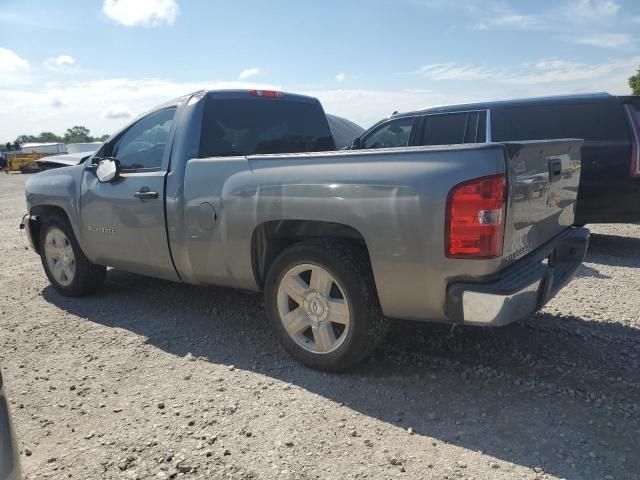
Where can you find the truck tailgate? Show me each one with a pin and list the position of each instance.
(543, 179)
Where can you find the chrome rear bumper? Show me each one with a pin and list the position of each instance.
(521, 288)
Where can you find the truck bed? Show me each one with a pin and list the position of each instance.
(395, 201)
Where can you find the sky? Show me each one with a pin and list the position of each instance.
(100, 63)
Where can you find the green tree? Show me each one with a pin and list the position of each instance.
(634, 83)
(77, 134)
(48, 137)
(25, 139)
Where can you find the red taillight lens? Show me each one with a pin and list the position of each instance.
(475, 218)
(266, 93)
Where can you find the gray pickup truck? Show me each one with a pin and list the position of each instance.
(206, 190)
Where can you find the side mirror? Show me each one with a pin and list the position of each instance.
(356, 144)
(108, 170)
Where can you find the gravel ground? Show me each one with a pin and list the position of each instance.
(150, 379)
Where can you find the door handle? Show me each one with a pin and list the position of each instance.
(555, 169)
(145, 194)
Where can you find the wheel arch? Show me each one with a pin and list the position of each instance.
(36, 214)
(270, 238)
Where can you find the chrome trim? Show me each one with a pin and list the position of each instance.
(454, 112)
(487, 136)
(488, 309)
(25, 226)
(632, 115)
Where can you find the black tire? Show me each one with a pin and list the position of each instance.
(88, 277)
(349, 265)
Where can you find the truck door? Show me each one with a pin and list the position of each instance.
(124, 221)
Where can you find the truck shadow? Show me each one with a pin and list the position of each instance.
(614, 250)
(551, 392)
(586, 271)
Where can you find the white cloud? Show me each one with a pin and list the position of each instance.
(14, 70)
(606, 40)
(454, 71)
(116, 112)
(552, 70)
(11, 62)
(592, 9)
(555, 71)
(60, 62)
(88, 102)
(341, 77)
(511, 20)
(366, 107)
(249, 73)
(132, 13)
(568, 14)
(64, 60)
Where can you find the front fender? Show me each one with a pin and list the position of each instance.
(57, 189)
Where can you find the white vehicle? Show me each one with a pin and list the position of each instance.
(52, 148)
(83, 147)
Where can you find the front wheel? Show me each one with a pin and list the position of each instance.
(66, 266)
(322, 305)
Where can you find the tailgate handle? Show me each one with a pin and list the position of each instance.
(555, 169)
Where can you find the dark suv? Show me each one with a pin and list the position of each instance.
(610, 181)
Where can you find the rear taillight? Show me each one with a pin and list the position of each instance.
(266, 93)
(475, 218)
(632, 114)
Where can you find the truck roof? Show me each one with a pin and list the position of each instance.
(230, 94)
(40, 144)
(516, 102)
(248, 93)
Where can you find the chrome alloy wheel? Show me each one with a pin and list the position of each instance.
(313, 308)
(59, 255)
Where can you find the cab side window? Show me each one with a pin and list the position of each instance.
(142, 146)
(593, 122)
(453, 128)
(394, 133)
(444, 129)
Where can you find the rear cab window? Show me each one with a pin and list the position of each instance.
(593, 122)
(248, 125)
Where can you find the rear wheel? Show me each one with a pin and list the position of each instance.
(322, 304)
(66, 266)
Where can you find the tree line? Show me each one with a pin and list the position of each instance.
(634, 83)
(77, 134)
